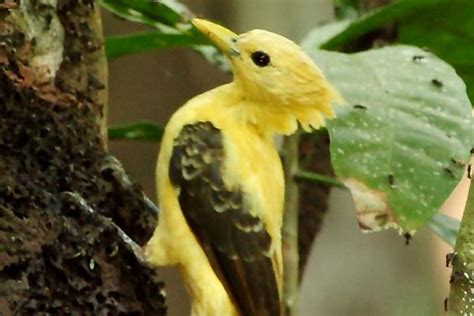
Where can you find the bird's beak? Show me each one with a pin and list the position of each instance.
(221, 37)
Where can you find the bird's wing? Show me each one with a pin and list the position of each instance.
(235, 242)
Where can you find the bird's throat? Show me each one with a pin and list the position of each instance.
(263, 116)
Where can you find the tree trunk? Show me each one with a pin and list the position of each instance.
(61, 193)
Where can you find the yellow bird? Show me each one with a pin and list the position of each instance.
(220, 179)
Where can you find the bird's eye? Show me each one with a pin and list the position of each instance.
(260, 58)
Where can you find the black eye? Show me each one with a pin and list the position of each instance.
(260, 58)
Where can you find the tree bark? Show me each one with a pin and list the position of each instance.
(61, 193)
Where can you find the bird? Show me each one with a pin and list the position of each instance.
(220, 179)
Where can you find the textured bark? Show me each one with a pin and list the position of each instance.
(55, 256)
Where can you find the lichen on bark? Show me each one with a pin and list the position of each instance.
(42, 26)
(55, 258)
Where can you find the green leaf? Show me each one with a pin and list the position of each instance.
(402, 141)
(443, 26)
(346, 8)
(137, 131)
(171, 19)
(445, 227)
(153, 13)
(446, 29)
(321, 35)
(120, 45)
(378, 18)
(134, 43)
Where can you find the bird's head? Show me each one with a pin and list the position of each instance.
(272, 70)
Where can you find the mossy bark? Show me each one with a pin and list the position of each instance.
(54, 257)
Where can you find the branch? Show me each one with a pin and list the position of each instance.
(302, 175)
(313, 202)
(461, 296)
(290, 227)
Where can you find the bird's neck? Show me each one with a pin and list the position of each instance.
(264, 117)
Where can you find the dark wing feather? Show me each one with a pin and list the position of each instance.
(235, 242)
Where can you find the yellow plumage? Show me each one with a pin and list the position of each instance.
(263, 100)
